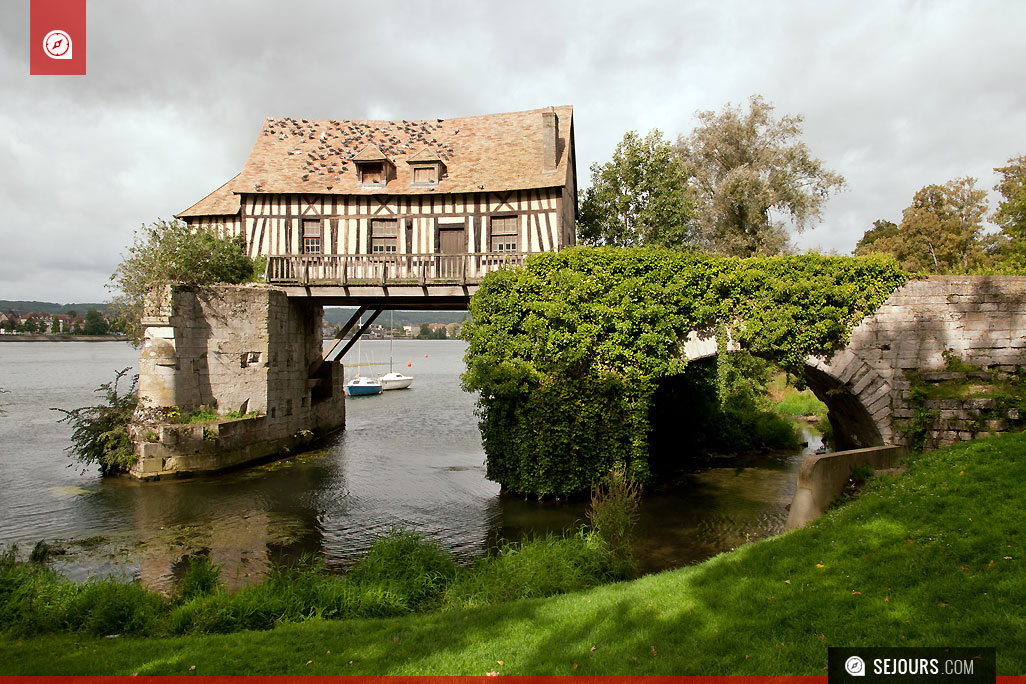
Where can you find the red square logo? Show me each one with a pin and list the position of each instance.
(57, 37)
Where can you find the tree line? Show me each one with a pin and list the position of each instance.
(732, 187)
(93, 323)
(743, 179)
(942, 230)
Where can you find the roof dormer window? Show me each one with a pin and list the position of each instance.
(373, 168)
(425, 174)
(371, 173)
(426, 169)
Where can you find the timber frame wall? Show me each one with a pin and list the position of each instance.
(271, 223)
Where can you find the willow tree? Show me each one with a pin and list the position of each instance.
(752, 176)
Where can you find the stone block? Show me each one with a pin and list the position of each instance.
(942, 404)
(880, 407)
(940, 376)
(882, 390)
(862, 379)
(979, 403)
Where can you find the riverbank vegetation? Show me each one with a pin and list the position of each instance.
(569, 352)
(928, 558)
(402, 573)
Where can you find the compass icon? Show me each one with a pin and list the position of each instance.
(57, 44)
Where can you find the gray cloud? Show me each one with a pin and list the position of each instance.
(895, 96)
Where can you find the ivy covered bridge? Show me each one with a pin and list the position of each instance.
(569, 352)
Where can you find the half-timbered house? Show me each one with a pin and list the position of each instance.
(339, 202)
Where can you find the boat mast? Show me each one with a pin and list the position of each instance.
(391, 338)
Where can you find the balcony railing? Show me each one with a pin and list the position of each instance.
(385, 269)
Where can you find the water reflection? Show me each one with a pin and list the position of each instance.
(408, 458)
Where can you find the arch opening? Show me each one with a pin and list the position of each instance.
(853, 426)
(681, 417)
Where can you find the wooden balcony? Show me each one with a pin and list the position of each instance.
(419, 281)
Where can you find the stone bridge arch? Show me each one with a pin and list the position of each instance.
(979, 321)
(856, 395)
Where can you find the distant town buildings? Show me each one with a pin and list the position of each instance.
(91, 323)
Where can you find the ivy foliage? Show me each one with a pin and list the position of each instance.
(566, 352)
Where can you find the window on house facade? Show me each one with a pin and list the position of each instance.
(384, 236)
(312, 237)
(505, 233)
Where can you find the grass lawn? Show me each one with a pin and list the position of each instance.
(930, 558)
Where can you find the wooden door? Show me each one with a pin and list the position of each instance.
(451, 241)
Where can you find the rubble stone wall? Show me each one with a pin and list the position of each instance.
(244, 348)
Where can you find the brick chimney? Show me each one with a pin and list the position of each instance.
(550, 137)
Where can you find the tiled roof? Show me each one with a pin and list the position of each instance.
(494, 152)
(222, 201)
(370, 153)
(425, 155)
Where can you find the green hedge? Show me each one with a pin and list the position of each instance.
(567, 350)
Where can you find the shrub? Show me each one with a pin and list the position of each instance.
(100, 433)
(170, 252)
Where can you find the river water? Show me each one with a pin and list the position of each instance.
(409, 458)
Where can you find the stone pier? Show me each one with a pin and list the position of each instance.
(247, 351)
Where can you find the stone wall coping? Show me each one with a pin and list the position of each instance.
(822, 477)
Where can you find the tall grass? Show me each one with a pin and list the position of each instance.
(802, 403)
(538, 567)
(34, 599)
(613, 514)
(201, 577)
(401, 573)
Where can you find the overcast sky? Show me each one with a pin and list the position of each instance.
(895, 95)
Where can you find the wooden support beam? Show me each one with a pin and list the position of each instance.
(344, 331)
(377, 312)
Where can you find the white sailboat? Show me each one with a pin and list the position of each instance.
(393, 380)
(360, 385)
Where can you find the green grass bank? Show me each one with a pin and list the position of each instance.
(933, 557)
